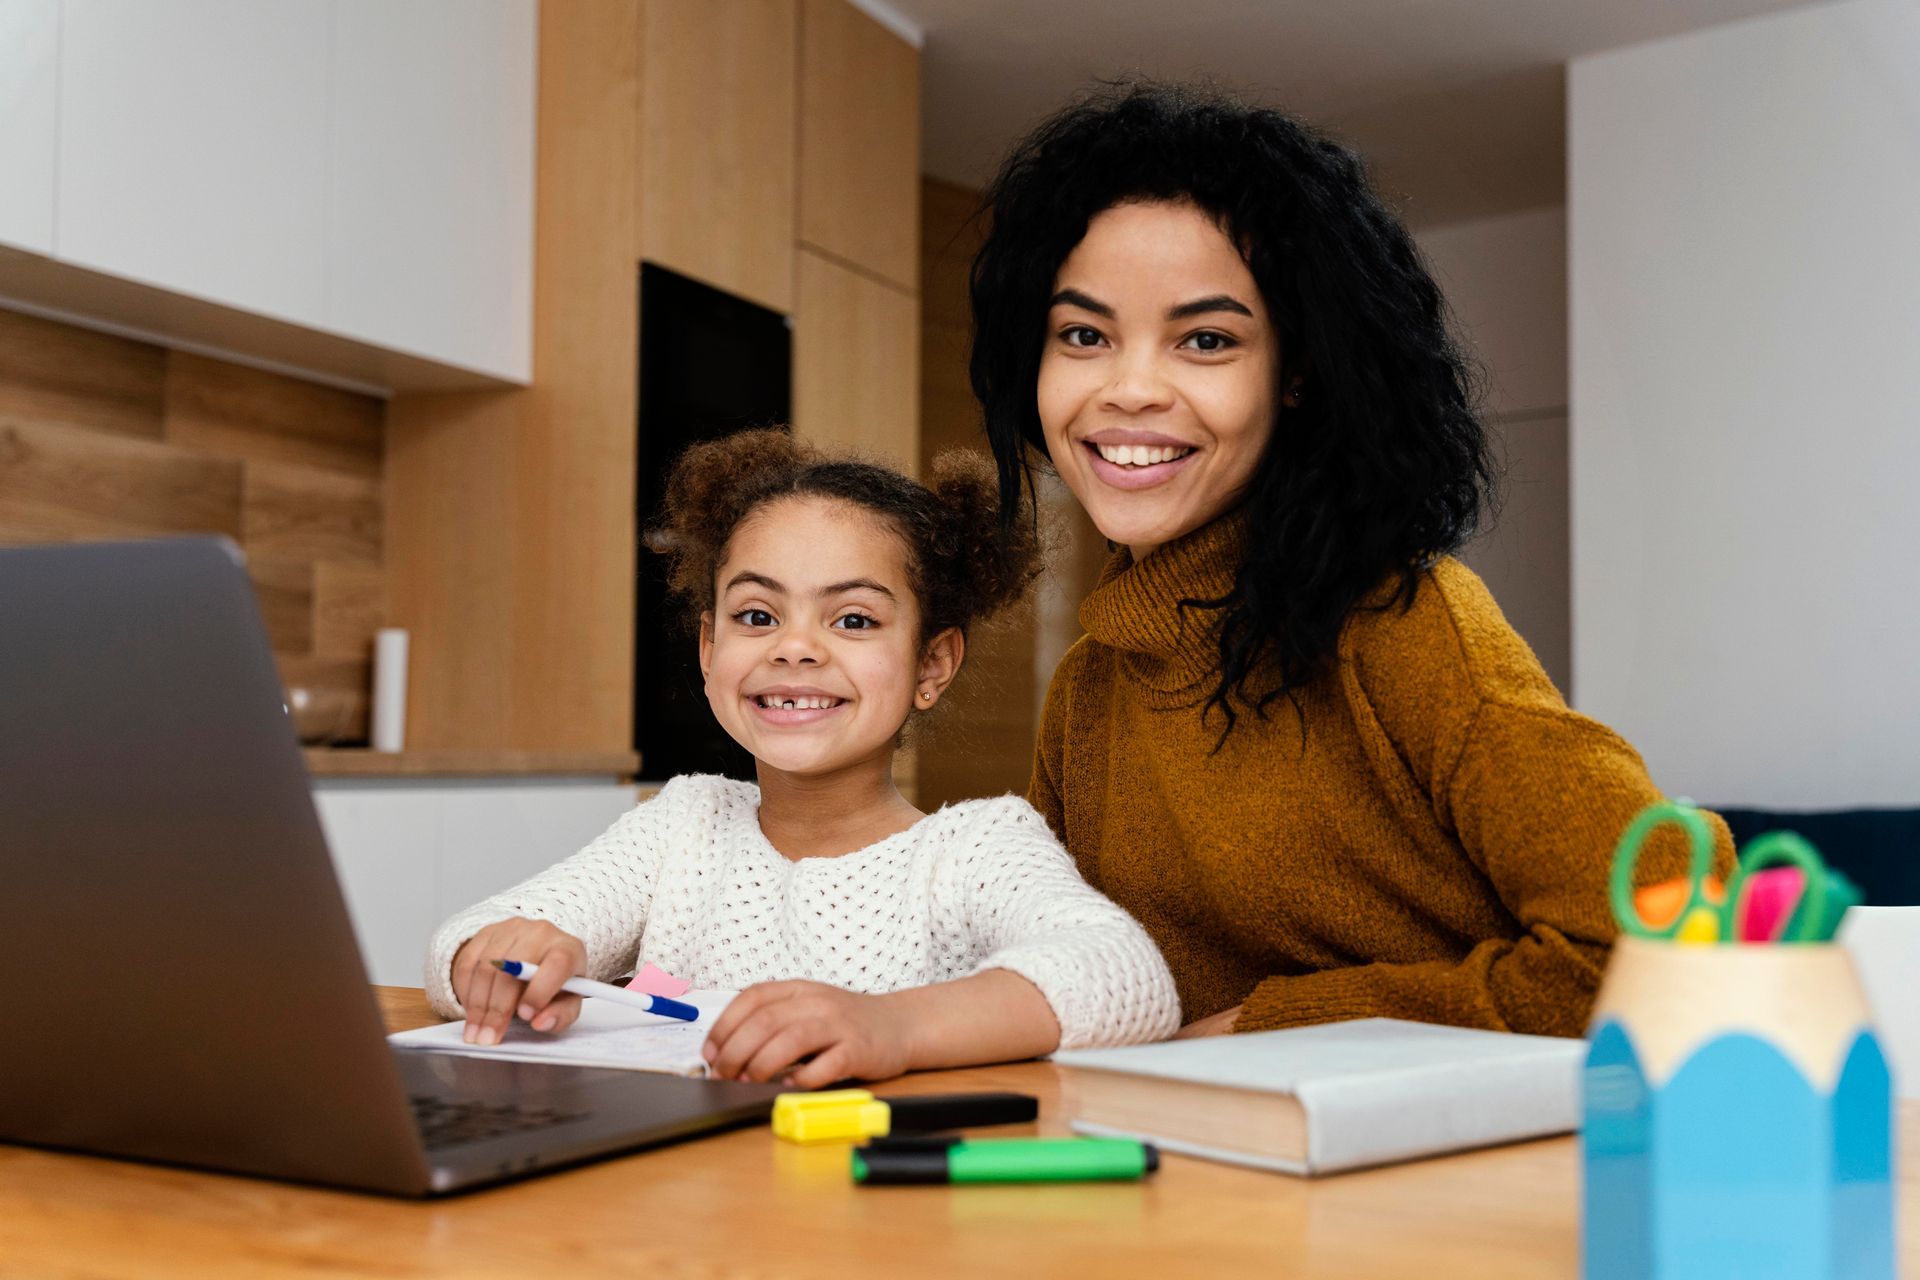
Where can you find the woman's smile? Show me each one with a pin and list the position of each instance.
(1129, 459)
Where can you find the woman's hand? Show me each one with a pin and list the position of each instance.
(1218, 1025)
(491, 998)
(770, 1027)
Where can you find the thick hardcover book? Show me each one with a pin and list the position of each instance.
(1323, 1099)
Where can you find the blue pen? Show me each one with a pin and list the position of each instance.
(602, 991)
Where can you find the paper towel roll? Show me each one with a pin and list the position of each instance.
(390, 689)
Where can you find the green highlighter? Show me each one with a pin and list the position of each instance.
(932, 1160)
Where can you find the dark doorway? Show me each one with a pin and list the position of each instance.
(710, 364)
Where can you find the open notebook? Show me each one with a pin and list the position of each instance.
(605, 1035)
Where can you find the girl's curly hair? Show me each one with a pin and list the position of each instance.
(961, 567)
(1382, 467)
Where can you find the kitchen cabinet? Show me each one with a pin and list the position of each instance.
(411, 853)
(859, 141)
(430, 179)
(856, 362)
(343, 187)
(192, 148)
(717, 121)
(29, 43)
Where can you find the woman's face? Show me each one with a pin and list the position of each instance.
(1157, 386)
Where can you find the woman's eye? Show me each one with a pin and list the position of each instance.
(1208, 340)
(754, 618)
(1080, 335)
(856, 622)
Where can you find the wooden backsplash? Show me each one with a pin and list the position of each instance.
(105, 437)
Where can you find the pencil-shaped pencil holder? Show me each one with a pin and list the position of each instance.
(1739, 1117)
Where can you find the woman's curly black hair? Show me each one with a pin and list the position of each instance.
(961, 566)
(1383, 466)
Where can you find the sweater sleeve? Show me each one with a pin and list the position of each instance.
(1033, 915)
(1535, 794)
(1538, 799)
(600, 895)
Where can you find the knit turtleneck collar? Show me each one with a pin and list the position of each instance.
(1136, 608)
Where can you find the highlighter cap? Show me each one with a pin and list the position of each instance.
(838, 1115)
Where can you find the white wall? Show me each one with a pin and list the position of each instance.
(1506, 280)
(1745, 443)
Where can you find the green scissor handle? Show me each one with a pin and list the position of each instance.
(1700, 866)
(1824, 897)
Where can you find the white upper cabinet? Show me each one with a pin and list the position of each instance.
(193, 148)
(431, 156)
(341, 185)
(29, 40)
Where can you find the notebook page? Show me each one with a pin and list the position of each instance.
(605, 1035)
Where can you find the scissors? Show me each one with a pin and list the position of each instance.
(1824, 897)
(1702, 917)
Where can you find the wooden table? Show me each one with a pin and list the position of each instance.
(742, 1204)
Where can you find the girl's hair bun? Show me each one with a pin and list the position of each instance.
(988, 564)
(711, 488)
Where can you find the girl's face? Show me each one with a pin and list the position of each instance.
(812, 656)
(1157, 385)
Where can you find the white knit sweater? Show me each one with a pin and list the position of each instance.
(688, 881)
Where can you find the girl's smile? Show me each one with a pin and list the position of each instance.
(795, 705)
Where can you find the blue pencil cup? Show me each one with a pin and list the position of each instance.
(1739, 1118)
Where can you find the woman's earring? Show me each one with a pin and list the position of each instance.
(926, 695)
(1292, 398)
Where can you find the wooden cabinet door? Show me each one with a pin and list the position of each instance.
(192, 148)
(859, 141)
(29, 40)
(856, 362)
(717, 165)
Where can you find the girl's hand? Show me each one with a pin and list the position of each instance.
(770, 1027)
(491, 998)
(1218, 1025)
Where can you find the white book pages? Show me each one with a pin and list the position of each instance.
(604, 1035)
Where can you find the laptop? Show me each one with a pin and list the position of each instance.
(188, 989)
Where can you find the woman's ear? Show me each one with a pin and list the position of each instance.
(706, 645)
(939, 664)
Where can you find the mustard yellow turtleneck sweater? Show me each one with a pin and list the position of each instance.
(1435, 847)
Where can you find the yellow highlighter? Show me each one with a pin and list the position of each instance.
(854, 1115)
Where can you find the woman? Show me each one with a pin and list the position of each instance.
(1299, 742)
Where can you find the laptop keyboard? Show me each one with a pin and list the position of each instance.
(445, 1123)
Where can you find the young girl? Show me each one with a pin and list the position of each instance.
(870, 939)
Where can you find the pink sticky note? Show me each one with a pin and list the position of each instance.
(655, 981)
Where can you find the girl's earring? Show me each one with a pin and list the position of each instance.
(926, 696)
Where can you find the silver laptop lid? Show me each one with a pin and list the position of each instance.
(188, 985)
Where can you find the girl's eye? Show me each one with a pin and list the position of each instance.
(1080, 335)
(754, 618)
(1208, 340)
(856, 622)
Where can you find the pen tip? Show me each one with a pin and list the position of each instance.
(498, 964)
